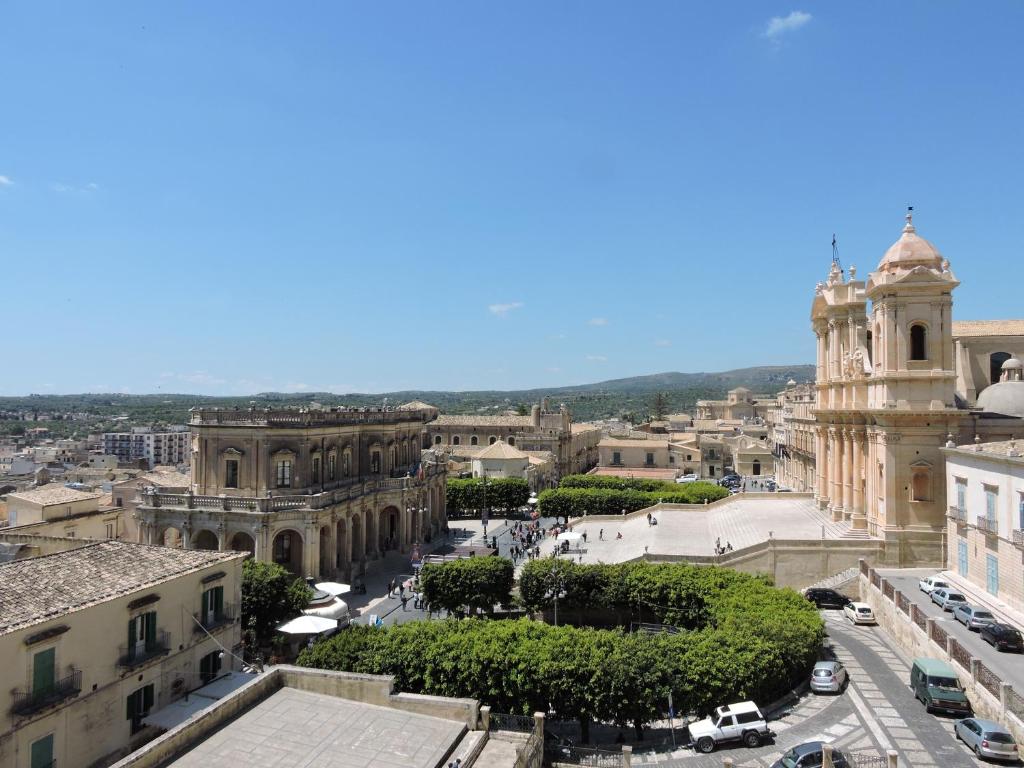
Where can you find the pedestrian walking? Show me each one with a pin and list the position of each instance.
(391, 588)
(584, 537)
(648, 518)
(600, 535)
(405, 601)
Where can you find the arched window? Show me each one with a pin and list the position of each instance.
(511, 441)
(918, 342)
(995, 365)
(456, 440)
(473, 440)
(492, 440)
(437, 439)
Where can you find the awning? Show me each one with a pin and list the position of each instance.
(308, 625)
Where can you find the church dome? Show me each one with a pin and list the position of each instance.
(1007, 396)
(910, 251)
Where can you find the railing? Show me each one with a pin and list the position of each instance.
(1018, 537)
(876, 580)
(938, 635)
(918, 616)
(601, 758)
(865, 760)
(887, 589)
(957, 513)
(517, 723)
(134, 657)
(988, 679)
(1015, 703)
(305, 417)
(986, 524)
(27, 702)
(209, 623)
(903, 603)
(959, 654)
(532, 753)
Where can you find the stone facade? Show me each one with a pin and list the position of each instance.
(574, 446)
(319, 491)
(985, 488)
(793, 436)
(740, 404)
(886, 397)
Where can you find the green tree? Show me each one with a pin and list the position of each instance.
(659, 406)
(270, 594)
(473, 583)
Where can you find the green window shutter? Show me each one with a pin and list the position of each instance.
(42, 752)
(151, 630)
(42, 671)
(133, 705)
(131, 636)
(204, 668)
(218, 602)
(147, 698)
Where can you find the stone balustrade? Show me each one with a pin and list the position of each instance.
(305, 417)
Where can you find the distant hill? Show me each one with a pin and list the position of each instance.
(617, 397)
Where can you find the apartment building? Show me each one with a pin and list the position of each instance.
(96, 638)
(170, 446)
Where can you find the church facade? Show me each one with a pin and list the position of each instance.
(886, 398)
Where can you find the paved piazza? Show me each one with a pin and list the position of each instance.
(742, 523)
(293, 727)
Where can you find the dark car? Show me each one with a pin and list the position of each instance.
(826, 598)
(1003, 637)
(808, 755)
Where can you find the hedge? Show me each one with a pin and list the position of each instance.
(748, 641)
(576, 502)
(471, 494)
(616, 483)
(475, 582)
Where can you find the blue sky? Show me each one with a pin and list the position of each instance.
(241, 197)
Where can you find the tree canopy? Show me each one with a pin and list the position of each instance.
(270, 594)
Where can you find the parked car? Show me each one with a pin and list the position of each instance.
(932, 582)
(828, 677)
(1002, 637)
(783, 489)
(742, 721)
(808, 755)
(987, 739)
(936, 685)
(972, 617)
(687, 479)
(826, 598)
(859, 613)
(947, 599)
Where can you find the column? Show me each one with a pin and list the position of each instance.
(821, 486)
(858, 519)
(827, 444)
(847, 473)
(333, 544)
(836, 473)
(821, 362)
(311, 551)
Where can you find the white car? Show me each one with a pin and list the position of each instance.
(859, 613)
(687, 479)
(930, 583)
(734, 722)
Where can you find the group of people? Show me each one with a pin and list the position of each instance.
(398, 589)
(719, 549)
(525, 536)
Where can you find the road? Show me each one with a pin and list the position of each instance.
(877, 712)
(1008, 666)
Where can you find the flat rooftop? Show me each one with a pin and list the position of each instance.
(299, 728)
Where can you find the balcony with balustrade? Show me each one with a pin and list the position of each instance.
(144, 652)
(24, 703)
(988, 525)
(959, 514)
(209, 622)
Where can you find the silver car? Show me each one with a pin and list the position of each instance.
(972, 617)
(828, 677)
(947, 599)
(987, 739)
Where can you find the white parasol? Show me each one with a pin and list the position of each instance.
(569, 536)
(308, 625)
(333, 588)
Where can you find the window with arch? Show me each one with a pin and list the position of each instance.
(437, 439)
(375, 462)
(492, 440)
(456, 440)
(473, 440)
(918, 342)
(512, 441)
(283, 548)
(995, 365)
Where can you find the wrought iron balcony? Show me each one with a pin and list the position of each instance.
(137, 656)
(988, 525)
(957, 513)
(1018, 537)
(213, 621)
(28, 702)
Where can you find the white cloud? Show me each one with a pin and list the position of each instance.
(70, 189)
(662, 343)
(597, 321)
(597, 358)
(780, 25)
(5, 181)
(503, 309)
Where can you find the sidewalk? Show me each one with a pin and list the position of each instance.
(977, 596)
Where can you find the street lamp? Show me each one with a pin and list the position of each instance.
(557, 587)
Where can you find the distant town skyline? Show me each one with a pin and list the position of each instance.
(203, 200)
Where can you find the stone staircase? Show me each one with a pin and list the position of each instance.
(837, 580)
